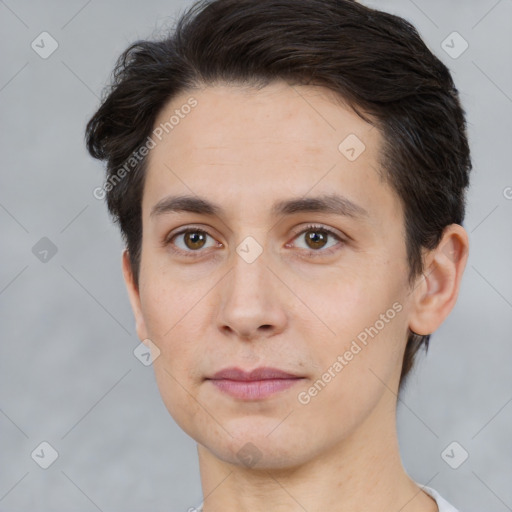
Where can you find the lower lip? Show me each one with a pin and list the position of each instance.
(253, 390)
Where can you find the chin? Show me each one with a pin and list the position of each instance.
(260, 449)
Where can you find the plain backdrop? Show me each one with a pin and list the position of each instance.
(68, 373)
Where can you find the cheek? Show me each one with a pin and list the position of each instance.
(348, 305)
(167, 304)
(174, 391)
(355, 367)
(170, 315)
(367, 329)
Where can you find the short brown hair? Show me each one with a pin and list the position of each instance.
(375, 61)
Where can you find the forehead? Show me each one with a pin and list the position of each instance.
(240, 143)
(313, 117)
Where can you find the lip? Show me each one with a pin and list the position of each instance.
(261, 373)
(257, 384)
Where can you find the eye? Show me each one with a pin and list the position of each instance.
(193, 240)
(316, 238)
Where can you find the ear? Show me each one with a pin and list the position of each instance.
(436, 291)
(134, 296)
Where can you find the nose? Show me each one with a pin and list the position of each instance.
(251, 300)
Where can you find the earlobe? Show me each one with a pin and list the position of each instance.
(436, 293)
(134, 296)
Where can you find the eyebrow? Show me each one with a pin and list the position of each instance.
(330, 203)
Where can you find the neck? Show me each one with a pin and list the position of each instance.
(361, 472)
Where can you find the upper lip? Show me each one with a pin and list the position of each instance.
(262, 373)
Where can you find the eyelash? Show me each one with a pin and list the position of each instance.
(311, 227)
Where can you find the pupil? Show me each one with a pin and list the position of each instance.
(195, 238)
(316, 238)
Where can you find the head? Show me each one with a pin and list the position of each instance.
(251, 103)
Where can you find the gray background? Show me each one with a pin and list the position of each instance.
(68, 372)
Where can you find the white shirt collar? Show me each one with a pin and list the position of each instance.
(442, 504)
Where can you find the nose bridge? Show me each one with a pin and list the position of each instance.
(249, 298)
(249, 280)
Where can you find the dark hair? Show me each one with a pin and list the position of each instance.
(376, 62)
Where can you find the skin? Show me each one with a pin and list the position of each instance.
(245, 148)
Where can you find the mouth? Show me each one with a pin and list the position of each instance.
(257, 384)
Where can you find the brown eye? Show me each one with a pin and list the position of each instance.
(194, 239)
(316, 238)
(190, 241)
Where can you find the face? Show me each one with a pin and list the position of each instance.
(270, 277)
